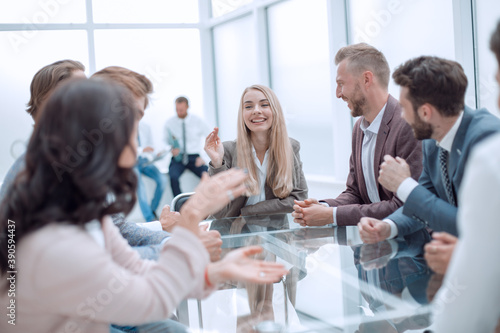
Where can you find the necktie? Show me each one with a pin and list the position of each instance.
(185, 158)
(443, 161)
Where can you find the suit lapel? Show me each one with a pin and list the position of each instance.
(383, 132)
(458, 143)
(359, 164)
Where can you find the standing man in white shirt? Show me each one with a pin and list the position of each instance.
(184, 133)
(145, 154)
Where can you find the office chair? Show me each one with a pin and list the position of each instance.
(179, 200)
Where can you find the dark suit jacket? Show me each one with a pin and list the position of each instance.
(272, 204)
(427, 205)
(395, 137)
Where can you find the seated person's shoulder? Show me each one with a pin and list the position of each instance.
(229, 145)
(295, 144)
(485, 119)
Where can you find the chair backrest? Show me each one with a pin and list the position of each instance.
(179, 200)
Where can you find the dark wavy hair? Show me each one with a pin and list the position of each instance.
(433, 80)
(72, 174)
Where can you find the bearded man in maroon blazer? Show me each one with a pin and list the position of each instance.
(362, 81)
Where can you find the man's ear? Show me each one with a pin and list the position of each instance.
(425, 112)
(367, 78)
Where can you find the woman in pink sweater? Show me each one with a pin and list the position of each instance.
(64, 265)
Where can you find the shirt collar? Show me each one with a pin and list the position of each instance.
(375, 125)
(448, 139)
(185, 118)
(262, 166)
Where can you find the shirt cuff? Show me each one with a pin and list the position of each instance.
(394, 228)
(405, 188)
(334, 224)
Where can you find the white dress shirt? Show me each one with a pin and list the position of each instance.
(469, 297)
(262, 175)
(145, 140)
(367, 157)
(408, 185)
(196, 130)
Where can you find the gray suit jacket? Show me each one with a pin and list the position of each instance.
(272, 204)
(427, 205)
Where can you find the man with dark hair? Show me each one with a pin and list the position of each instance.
(362, 81)
(184, 134)
(475, 308)
(432, 98)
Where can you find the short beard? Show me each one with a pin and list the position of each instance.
(358, 104)
(421, 129)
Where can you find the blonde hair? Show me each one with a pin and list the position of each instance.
(363, 57)
(280, 157)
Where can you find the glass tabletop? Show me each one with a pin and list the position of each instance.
(335, 282)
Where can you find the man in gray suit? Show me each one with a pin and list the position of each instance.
(432, 98)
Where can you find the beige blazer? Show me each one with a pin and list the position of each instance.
(272, 204)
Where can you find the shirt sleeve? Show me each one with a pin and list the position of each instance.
(394, 228)
(405, 188)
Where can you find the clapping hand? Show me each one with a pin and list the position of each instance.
(373, 230)
(214, 148)
(169, 219)
(392, 172)
(439, 251)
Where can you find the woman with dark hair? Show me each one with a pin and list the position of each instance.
(64, 265)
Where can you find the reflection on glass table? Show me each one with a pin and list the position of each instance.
(335, 282)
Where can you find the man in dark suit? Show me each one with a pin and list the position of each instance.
(362, 81)
(432, 98)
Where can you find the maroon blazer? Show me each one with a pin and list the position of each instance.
(395, 137)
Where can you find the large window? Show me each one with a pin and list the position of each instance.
(236, 69)
(18, 65)
(170, 58)
(210, 50)
(397, 29)
(158, 38)
(33, 13)
(300, 76)
(489, 13)
(221, 7)
(145, 11)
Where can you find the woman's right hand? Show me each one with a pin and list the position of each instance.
(214, 148)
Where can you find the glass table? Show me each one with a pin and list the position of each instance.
(335, 282)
